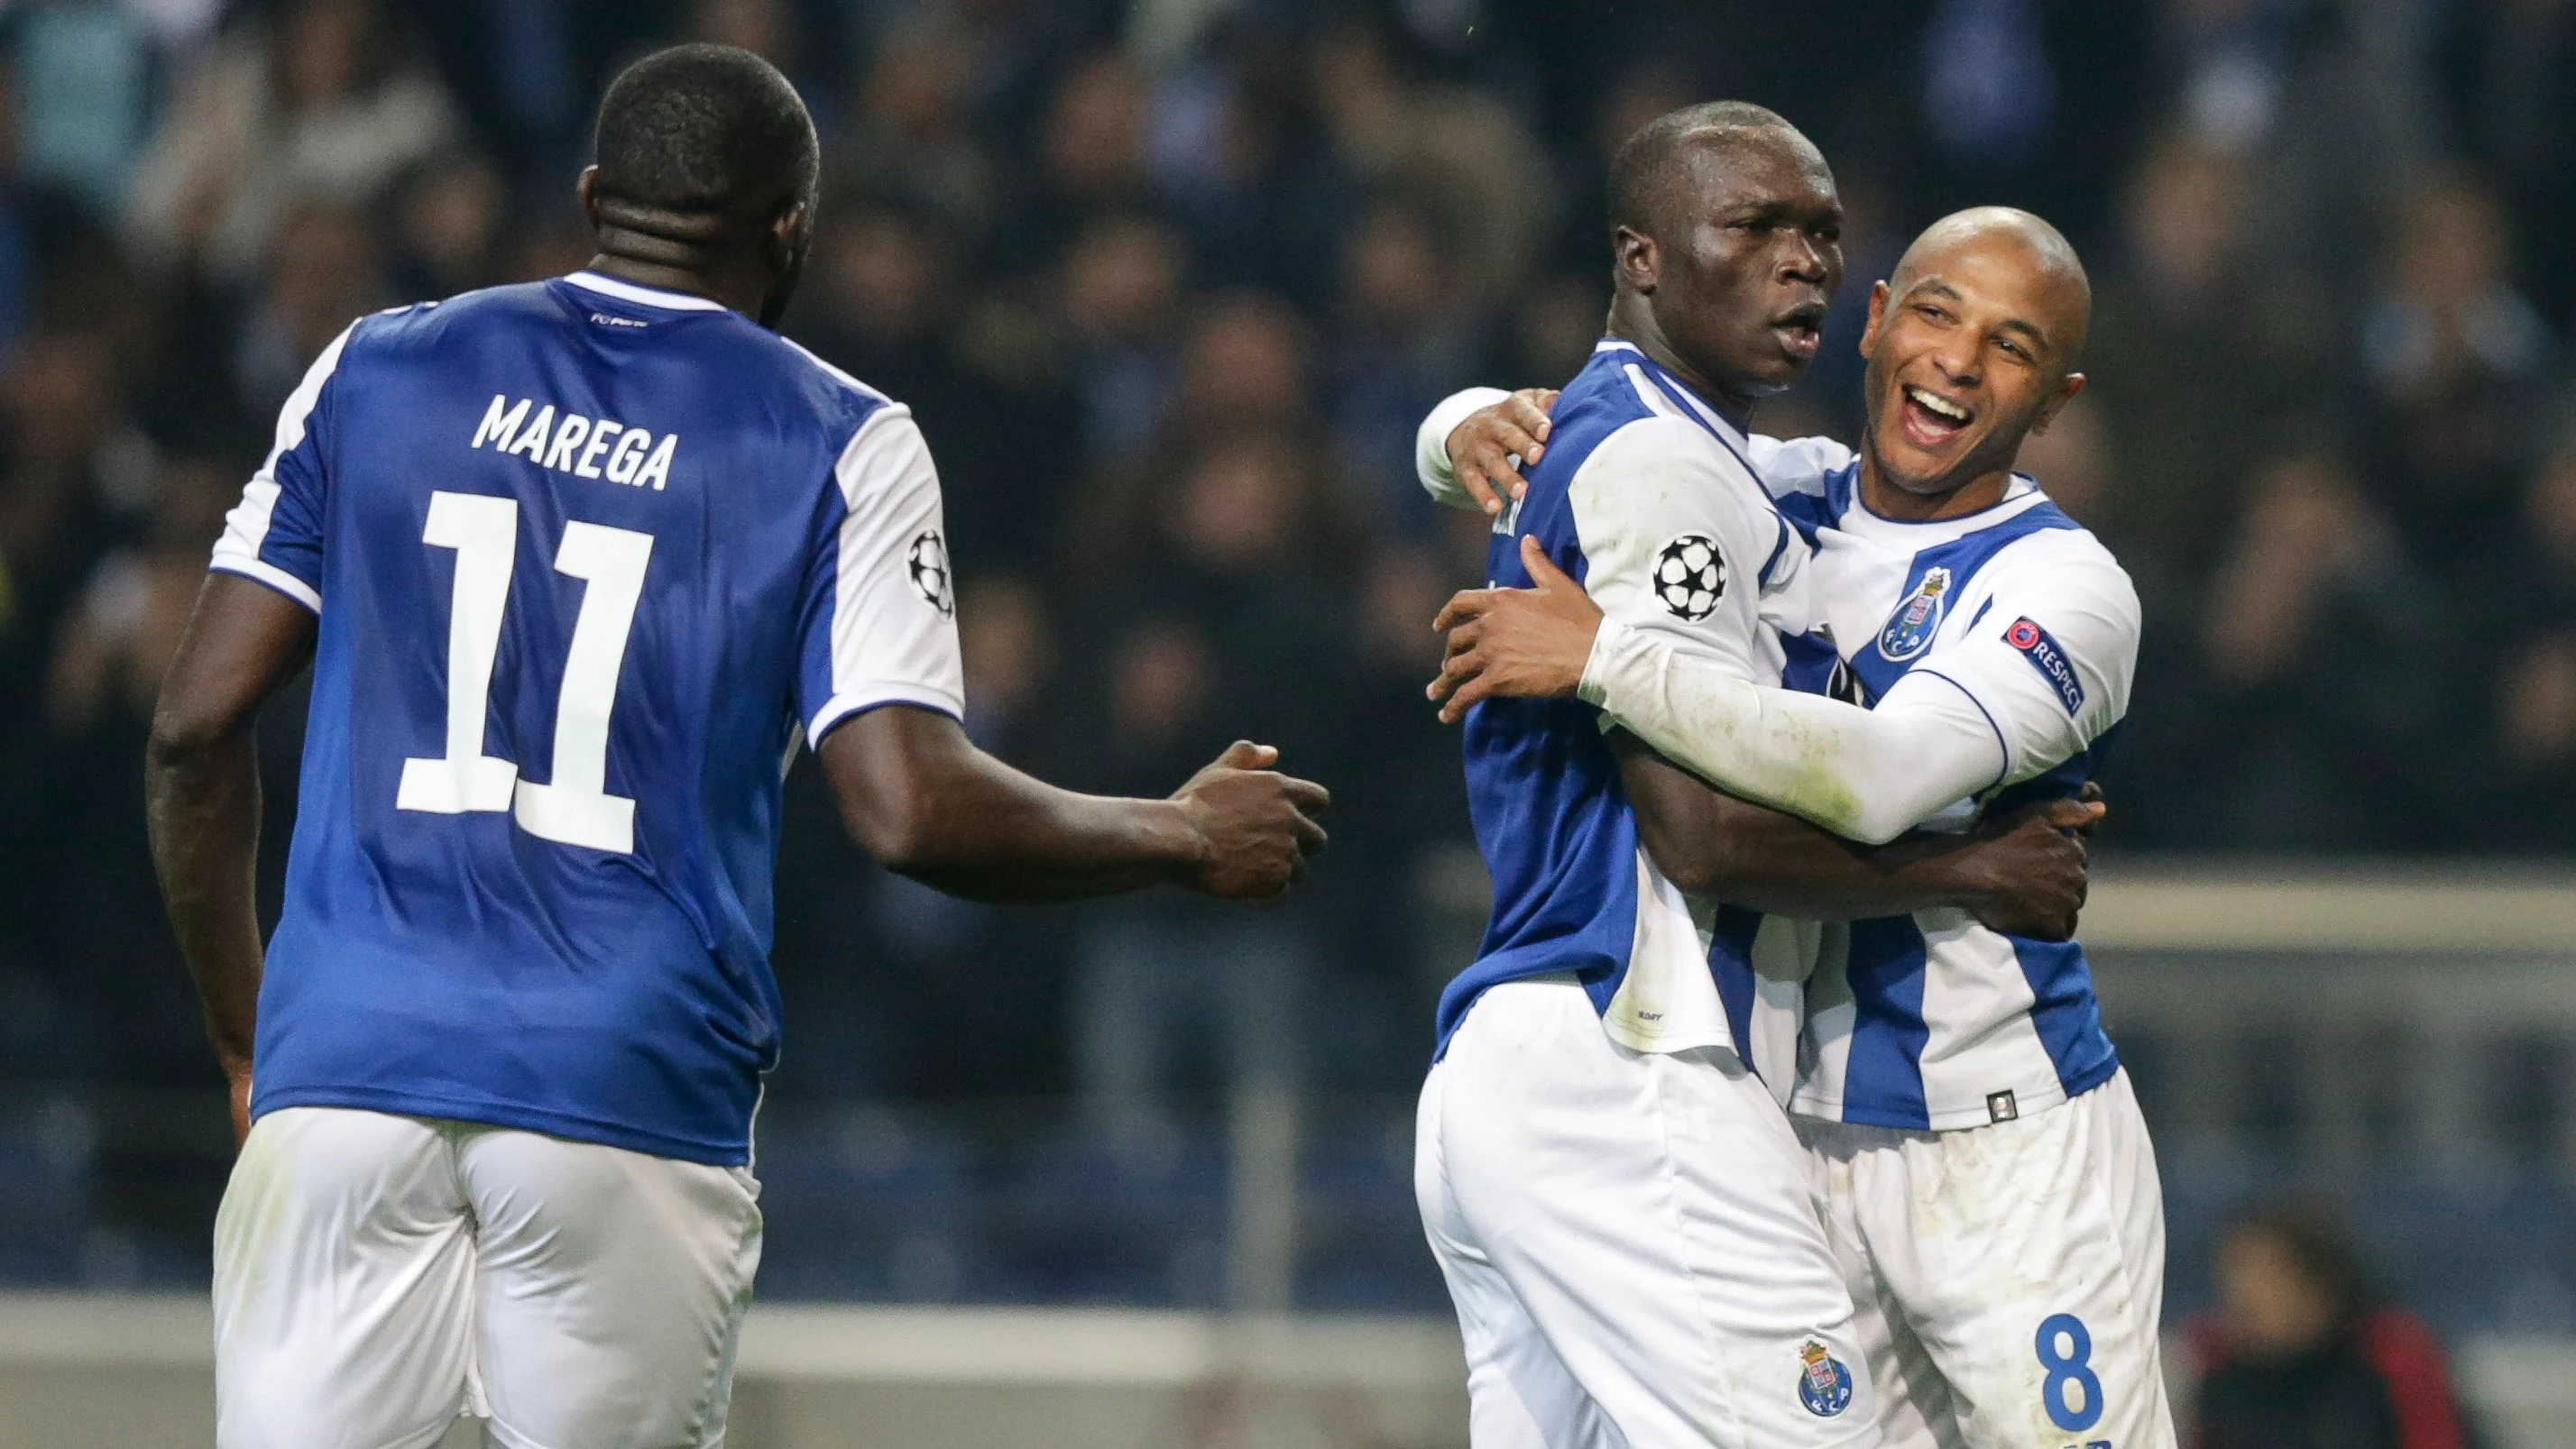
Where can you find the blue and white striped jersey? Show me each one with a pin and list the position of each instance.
(587, 557)
(1646, 497)
(1933, 1020)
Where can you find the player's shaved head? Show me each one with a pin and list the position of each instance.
(1648, 177)
(706, 171)
(2066, 293)
(703, 130)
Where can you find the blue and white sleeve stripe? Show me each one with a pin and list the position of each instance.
(274, 535)
(883, 628)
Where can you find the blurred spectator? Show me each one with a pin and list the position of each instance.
(2456, 360)
(1406, 329)
(1121, 298)
(2302, 1357)
(448, 216)
(2329, 699)
(326, 269)
(2190, 346)
(909, 139)
(113, 644)
(2506, 64)
(83, 86)
(119, 635)
(1457, 153)
(1090, 153)
(2527, 608)
(316, 98)
(1245, 373)
(58, 398)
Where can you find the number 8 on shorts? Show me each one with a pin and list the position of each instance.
(2070, 1374)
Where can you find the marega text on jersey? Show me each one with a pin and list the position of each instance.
(583, 447)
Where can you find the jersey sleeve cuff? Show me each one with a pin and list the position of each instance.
(859, 701)
(270, 574)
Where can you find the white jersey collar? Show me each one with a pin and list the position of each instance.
(643, 296)
(1679, 392)
(1856, 518)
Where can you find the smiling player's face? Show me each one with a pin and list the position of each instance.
(1747, 260)
(1966, 361)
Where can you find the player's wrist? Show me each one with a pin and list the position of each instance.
(1970, 881)
(1177, 839)
(1600, 667)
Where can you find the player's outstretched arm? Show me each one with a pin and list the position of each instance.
(2023, 875)
(921, 798)
(201, 798)
(1868, 774)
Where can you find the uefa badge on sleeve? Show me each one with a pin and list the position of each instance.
(1824, 1384)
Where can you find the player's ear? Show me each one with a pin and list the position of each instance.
(1640, 261)
(1877, 314)
(586, 191)
(2057, 401)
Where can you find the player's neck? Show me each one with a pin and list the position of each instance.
(741, 294)
(1632, 321)
(1889, 501)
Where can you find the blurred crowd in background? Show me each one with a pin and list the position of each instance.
(1168, 285)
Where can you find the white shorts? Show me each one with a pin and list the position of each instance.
(2010, 1278)
(1630, 1242)
(376, 1276)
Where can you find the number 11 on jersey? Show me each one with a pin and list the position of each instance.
(576, 808)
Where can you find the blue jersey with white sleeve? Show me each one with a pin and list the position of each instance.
(588, 558)
(1645, 497)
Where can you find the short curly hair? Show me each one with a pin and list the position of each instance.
(704, 129)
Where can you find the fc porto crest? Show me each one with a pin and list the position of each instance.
(1910, 629)
(1824, 1384)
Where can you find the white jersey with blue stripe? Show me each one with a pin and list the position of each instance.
(588, 558)
(1933, 1020)
(1646, 497)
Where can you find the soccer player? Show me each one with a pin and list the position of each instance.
(1618, 1206)
(578, 565)
(1980, 1158)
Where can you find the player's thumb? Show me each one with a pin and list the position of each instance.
(1245, 755)
(1544, 574)
(2074, 814)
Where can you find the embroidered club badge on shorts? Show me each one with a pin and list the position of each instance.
(1909, 630)
(1824, 1385)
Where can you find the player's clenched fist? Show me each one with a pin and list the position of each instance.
(1256, 827)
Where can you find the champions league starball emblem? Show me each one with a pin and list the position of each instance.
(1690, 577)
(1824, 1385)
(928, 562)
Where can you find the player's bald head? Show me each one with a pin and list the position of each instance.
(2063, 294)
(1661, 164)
